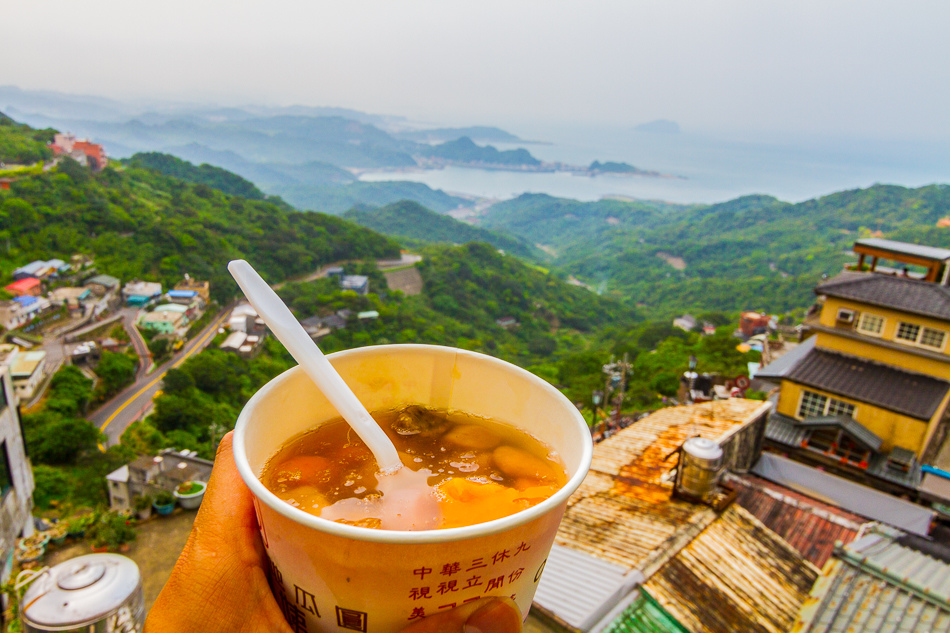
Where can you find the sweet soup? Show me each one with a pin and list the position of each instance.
(477, 470)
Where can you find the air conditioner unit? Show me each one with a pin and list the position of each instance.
(845, 315)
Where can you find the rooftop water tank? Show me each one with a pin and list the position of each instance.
(700, 465)
(96, 592)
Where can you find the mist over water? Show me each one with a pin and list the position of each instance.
(702, 168)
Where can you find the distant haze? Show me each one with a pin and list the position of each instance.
(865, 68)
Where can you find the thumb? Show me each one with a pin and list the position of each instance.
(487, 615)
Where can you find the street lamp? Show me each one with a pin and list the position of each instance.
(596, 398)
(692, 376)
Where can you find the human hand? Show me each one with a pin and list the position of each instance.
(219, 583)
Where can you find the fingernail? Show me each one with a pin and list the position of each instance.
(498, 616)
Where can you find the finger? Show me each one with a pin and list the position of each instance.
(488, 615)
(226, 496)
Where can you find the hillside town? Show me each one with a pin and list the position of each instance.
(833, 488)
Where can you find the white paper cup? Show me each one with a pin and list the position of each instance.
(327, 576)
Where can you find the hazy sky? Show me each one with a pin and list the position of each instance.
(852, 67)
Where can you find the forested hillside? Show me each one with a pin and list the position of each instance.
(206, 174)
(754, 252)
(411, 221)
(22, 145)
(141, 224)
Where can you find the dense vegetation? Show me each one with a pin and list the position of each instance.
(22, 145)
(141, 224)
(754, 252)
(464, 150)
(206, 174)
(67, 464)
(410, 220)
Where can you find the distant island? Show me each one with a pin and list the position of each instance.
(464, 152)
(660, 126)
(478, 132)
(611, 167)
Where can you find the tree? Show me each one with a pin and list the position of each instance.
(115, 371)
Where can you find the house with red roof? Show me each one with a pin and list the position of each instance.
(29, 286)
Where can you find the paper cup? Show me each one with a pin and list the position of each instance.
(327, 576)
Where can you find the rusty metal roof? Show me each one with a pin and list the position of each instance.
(736, 576)
(623, 512)
(880, 584)
(810, 526)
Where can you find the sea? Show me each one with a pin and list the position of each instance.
(696, 167)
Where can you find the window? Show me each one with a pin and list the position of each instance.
(908, 332)
(815, 405)
(932, 338)
(6, 477)
(839, 407)
(871, 324)
(919, 335)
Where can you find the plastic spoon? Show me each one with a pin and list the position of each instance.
(289, 332)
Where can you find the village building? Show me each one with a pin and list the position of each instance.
(753, 323)
(16, 479)
(189, 298)
(687, 322)
(28, 286)
(242, 318)
(357, 283)
(36, 269)
(243, 344)
(81, 150)
(867, 396)
(72, 298)
(148, 475)
(101, 284)
(27, 371)
(650, 560)
(138, 293)
(19, 311)
(165, 319)
(203, 288)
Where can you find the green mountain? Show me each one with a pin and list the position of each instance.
(220, 179)
(407, 219)
(339, 198)
(464, 150)
(22, 145)
(752, 252)
(139, 223)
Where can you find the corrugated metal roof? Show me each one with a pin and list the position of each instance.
(645, 615)
(736, 576)
(882, 586)
(900, 293)
(623, 513)
(915, 395)
(903, 248)
(603, 585)
(810, 526)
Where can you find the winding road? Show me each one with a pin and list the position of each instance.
(116, 415)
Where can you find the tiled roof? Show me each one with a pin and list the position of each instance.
(848, 424)
(914, 395)
(880, 585)
(736, 576)
(808, 525)
(791, 432)
(900, 293)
